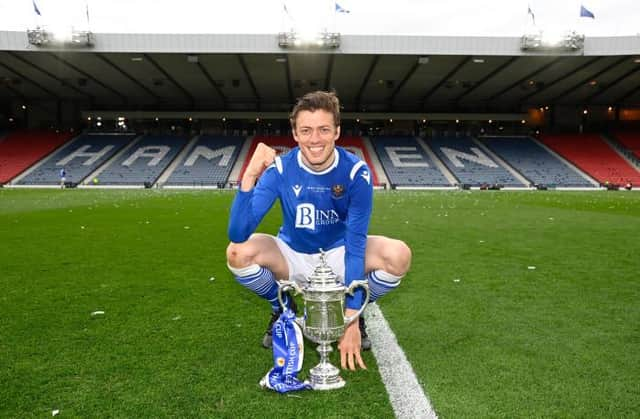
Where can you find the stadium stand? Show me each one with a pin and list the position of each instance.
(282, 144)
(208, 162)
(406, 163)
(470, 164)
(535, 162)
(590, 153)
(78, 158)
(22, 149)
(144, 162)
(630, 140)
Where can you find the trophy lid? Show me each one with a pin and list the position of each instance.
(323, 276)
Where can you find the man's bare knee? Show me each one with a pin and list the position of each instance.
(404, 257)
(238, 255)
(398, 258)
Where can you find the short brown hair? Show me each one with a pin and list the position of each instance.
(327, 101)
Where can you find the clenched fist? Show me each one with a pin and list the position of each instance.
(262, 158)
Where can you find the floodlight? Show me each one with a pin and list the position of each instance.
(60, 33)
(322, 40)
(552, 41)
(59, 36)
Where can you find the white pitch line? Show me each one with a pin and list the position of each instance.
(406, 394)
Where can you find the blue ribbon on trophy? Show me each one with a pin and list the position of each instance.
(288, 354)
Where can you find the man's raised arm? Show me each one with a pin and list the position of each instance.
(262, 158)
(253, 201)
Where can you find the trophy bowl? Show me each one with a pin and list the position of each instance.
(324, 321)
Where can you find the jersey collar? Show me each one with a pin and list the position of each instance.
(325, 171)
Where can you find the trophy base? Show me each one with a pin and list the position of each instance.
(325, 376)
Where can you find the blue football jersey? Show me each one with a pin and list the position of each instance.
(319, 209)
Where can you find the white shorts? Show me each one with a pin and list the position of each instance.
(302, 265)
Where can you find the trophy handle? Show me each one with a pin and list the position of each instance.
(284, 287)
(352, 287)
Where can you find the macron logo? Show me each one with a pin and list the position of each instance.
(296, 189)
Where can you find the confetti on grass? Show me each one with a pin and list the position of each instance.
(97, 313)
(531, 268)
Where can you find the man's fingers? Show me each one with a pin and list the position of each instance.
(360, 361)
(349, 346)
(350, 357)
(343, 358)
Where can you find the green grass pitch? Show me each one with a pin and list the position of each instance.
(518, 304)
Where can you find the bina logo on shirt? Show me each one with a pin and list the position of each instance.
(307, 216)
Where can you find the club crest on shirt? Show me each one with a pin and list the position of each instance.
(337, 191)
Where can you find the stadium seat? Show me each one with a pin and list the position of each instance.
(79, 158)
(535, 162)
(592, 154)
(406, 163)
(144, 162)
(20, 150)
(470, 164)
(208, 162)
(630, 140)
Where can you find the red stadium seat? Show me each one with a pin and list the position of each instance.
(630, 140)
(21, 149)
(592, 154)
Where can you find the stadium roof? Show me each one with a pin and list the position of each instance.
(387, 74)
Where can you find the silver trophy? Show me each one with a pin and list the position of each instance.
(324, 320)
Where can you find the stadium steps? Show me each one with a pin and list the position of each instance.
(470, 164)
(375, 161)
(206, 164)
(630, 140)
(451, 178)
(519, 176)
(172, 164)
(22, 151)
(632, 156)
(79, 158)
(408, 165)
(593, 155)
(356, 145)
(234, 176)
(569, 164)
(96, 173)
(536, 162)
(138, 170)
(176, 161)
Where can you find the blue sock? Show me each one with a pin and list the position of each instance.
(380, 283)
(261, 281)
